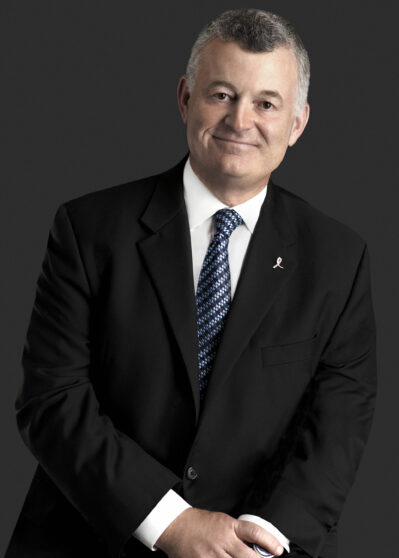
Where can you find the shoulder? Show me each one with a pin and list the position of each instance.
(116, 209)
(108, 217)
(112, 201)
(318, 232)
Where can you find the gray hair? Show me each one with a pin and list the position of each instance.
(256, 31)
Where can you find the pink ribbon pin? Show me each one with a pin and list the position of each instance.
(279, 260)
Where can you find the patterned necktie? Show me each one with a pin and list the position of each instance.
(213, 295)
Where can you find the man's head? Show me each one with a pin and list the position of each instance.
(244, 98)
(255, 31)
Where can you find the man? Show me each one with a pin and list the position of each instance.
(200, 362)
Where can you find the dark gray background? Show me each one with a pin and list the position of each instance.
(88, 101)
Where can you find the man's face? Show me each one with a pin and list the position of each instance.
(240, 114)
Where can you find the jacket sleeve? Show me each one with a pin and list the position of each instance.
(310, 490)
(105, 474)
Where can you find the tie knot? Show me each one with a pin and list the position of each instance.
(226, 220)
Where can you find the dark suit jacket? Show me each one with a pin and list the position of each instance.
(110, 404)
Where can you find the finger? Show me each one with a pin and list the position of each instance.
(253, 533)
(241, 550)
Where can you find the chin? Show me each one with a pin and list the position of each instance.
(234, 166)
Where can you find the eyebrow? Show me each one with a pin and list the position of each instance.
(265, 92)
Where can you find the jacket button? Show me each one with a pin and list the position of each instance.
(191, 473)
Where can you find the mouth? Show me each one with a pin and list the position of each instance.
(235, 142)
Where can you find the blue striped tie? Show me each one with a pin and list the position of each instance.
(213, 295)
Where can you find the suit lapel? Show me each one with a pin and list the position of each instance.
(258, 285)
(167, 255)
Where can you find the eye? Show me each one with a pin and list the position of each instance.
(266, 105)
(221, 96)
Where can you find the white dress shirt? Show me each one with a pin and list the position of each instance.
(201, 205)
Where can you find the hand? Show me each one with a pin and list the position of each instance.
(197, 533)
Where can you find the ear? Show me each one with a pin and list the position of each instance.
(183, 95)
(299, 124)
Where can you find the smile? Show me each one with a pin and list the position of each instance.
(234, 141)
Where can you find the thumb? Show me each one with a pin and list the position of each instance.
(250, 532)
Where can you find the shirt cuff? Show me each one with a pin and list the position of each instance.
(269, 527)
(159, 518)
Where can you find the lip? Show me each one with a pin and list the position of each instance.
(234, 141)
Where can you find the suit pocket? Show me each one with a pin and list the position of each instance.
(290, 352)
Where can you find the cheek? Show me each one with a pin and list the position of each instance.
(276, 132)
(206, 118)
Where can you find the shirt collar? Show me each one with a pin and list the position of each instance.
(201, 203)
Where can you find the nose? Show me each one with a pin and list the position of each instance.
(240, 117)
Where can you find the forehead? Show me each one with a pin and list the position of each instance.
(227, 61)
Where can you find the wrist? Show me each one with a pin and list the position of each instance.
(169, 534)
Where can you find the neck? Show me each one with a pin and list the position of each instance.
(231, 191)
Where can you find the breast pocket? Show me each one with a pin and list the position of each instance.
(290, 352)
